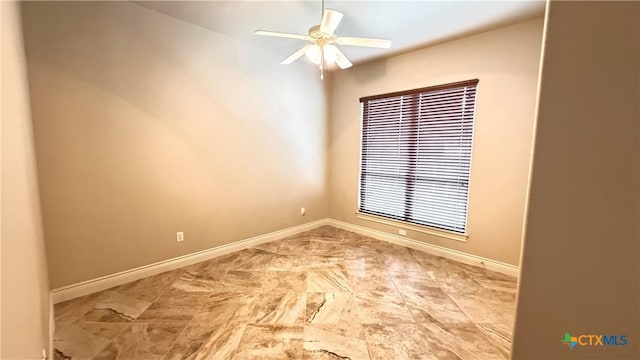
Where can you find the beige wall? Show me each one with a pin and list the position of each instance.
(580, 260)
(506, 63)
(25, 283)
(146, 125)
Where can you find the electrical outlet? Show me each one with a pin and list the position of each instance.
(179, 236)
(303, 211)
(402, 232)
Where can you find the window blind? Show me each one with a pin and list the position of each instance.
(416, 155)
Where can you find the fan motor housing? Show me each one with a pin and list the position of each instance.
(315, 33)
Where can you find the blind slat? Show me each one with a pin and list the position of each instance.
(416, 155)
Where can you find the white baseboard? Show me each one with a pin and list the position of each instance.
(123, 277)
(460, 256)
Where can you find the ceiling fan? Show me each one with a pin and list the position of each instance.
(323, 39)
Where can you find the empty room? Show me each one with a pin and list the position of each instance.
(320, 180)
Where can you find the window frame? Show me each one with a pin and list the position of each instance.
(415, 226)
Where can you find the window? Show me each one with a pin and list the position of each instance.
(416, 155)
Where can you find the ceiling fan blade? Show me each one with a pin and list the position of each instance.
(342, 60)
(368, 42)
(282, 35)
(298, 54)
(330, 21)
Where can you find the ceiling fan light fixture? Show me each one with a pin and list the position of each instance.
(330, 53)
(314, 53)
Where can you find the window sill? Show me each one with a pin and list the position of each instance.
(419, 228)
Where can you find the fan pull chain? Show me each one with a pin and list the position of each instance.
(322, 47)
(322, 62)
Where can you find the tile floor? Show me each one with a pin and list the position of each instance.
(323, 294)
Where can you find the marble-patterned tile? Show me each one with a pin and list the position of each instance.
(294, 247)
(331, 308)
(335, 341)
(289, 262)
(487, 306)
(68, 312)
(323, 294)
(363, 279)
(355, 237)
(388, 249)
(428, 261)
(454, 280)
(207, 341)
(328, 281)
(284, 281)
(243, 281)
(231, 297)
(433, 305)
(175, 306)
(249, 259)
(200, 279)
(356, 260)
(270, 247)
(74, 342)
(116, 307)
(59, 355)
(105, 330)
(356, 248)
(403, 342)
(468, 268)
(271, 342)
(326, 247)
(149, 288)
(323, 247)
(223, 262)
(495, 281)
(466, 341)
(413, 281)
(326, 231)
(334, 236)
(300, 237)
(319, 262)
(499, 334)
(202, 266)
(225, 308)
(383, 310)
(362, 243)
(375, 285)
(279, 308)
(140, 341)
(401, 262)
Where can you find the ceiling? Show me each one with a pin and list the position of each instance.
(409, 24)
